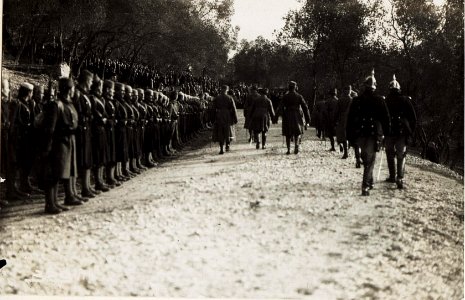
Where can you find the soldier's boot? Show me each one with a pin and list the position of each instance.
(55, 199)
(85, 185)
(140, 165)
(288, 145)
(12, 192)
(91, 188)
(365, 191)
(148, 160)
(263, 140)
(221, 148)
(111, 176)
(257, 140)
(119, 172)
(331, 139)
(25, 184)
(99, 183)
(73, 186)
(70, 199)
(227, 147)
(392, 169)
(296, 145)
(127, 169)
(50, 206)
(344, 148)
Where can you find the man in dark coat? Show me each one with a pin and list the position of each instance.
(121, 140)
(403, 122)
(59, 125)
(318, 118)
(291, 108)
(261, 113)
(247, 106)
(110, 109)
(330, 117)
(343, 106)
(367, 123)
(225, 117)
(83, 106)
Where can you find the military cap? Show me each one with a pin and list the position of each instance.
(394, 84)
(108, 84)
(65, 83)
(370, 81)
(292, 84)
(84, 75)
(119, 86)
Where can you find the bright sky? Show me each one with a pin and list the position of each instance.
(260, 17)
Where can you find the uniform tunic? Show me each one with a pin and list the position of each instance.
(293, 109)
(261, 113)
(83, 107)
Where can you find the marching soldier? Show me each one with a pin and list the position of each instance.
(318, 117)
(225, 117)
(343, 105)
(367, 123)
(330, 117)
(291, 108)
(247, 105)
(403, 122)
(261, 113)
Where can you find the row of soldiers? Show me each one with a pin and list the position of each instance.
(367, 122)
(98, 127)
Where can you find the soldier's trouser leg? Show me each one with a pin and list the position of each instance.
(401, 152)
(390, 156)
(296, 144)
(331, 139)
(344, 147)
(50, 198)
(257, 141)
(263, 140)
(368, 146)
(288, 143)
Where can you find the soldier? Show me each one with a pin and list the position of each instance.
(367, 122)
(110, 109)
(261, 113)
(149, 133)
(330, 117)
(247, 105)
(99, 134)
(403, 122)
(225, 117)
(291, 108)
(121, 133)
(342, 110)
(318, 118)
(21, 120)
(60, 123)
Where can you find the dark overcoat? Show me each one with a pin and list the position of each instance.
(261, 114)
(225, 118)
(293, 109)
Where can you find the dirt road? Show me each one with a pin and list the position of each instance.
(250, 223)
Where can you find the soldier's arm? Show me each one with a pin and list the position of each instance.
(49, 125)
(305, 109)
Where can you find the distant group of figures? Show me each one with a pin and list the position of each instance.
(366, 122)
(107, 129)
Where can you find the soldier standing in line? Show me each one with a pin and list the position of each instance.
(225, 117)
(99, 134)
(20, 135)
(403, 122)
(291, 108)
(110, 109)
(121, 138)
(330, 117)
(261, 113)
(60, 123)
(149, 133)
(367, 123)
(83, 106)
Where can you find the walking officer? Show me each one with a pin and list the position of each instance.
(403, 121)
(367, 123)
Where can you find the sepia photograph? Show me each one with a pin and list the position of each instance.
(232, 149)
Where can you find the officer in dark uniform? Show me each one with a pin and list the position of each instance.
(121, 133)
(367, 123)
(226, 116)
(403, 122)
(247, 106)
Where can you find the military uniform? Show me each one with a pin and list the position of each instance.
(330, 118)
(261, 113)
(225, 117)
(367, 122)
(403, 122)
